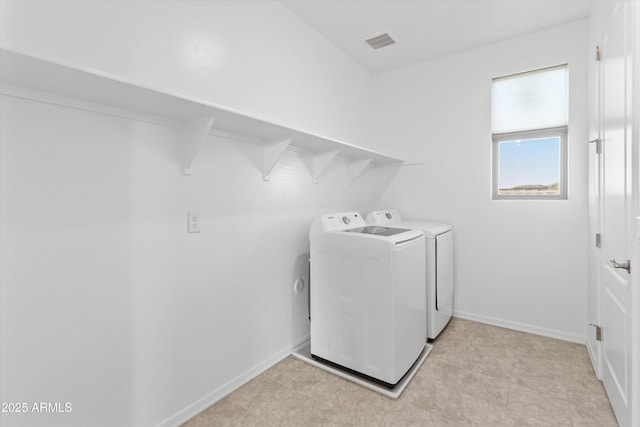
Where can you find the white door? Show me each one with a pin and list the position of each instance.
(617, 225)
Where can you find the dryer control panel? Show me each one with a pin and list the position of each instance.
(388, 217)
(342, 221)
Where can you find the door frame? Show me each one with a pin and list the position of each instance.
(635, 182)
(634, 220)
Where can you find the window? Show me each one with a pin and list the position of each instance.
(529, 133)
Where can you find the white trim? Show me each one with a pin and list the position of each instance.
(545, 332)
(224, 390)
(635, 186)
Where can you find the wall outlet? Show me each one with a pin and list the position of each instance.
(194, 222)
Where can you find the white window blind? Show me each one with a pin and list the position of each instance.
(530, 101)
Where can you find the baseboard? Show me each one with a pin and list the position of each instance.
(195, 408)
(551, 333)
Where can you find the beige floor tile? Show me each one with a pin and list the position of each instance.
(534, 346)
(354, 405)
(591, 407)
(475, 384)
(402, 413)
(492, 350)
(488, 335)
(339, 415)
(452, 348)
(582, 382)
(225, 413)
(575, 360)
(428, 392)
(528, 420)
(537, 367)
(549, 386)
(459, 328)
(464, 409)
(285, 408)
(493, 361)
(476, 375)
(285, 371)
(532, 339)
(571, 367)
(574, 351)
(440, 367)
(321, 392)
(595, 422)
(530, 406)
(254, 393)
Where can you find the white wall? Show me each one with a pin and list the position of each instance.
(107, 302)
(252, 56)
(520, 264)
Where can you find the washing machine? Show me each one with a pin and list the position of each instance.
(367, 296)
(440, 268)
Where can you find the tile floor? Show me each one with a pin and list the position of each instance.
(476, 375)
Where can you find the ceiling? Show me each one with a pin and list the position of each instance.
(427, 29)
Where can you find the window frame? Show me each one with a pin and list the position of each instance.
(561, 132)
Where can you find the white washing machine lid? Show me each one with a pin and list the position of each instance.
(398, 235)
(354, 224)
(392, 218)
(377, 230)
(431, 228)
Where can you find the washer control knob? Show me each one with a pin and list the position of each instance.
(388, 215)
(346, 219)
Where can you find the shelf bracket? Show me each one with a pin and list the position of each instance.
(194, 133)
(272, 152)
(320, 162)
(356, 167)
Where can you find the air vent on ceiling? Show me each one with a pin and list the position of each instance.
(381, 40)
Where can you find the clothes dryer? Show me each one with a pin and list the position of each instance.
(439, 260)
(367, 296)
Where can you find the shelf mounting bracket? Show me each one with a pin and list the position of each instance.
(193, 135)
(356, 167)
(272, 152)
(320, 162)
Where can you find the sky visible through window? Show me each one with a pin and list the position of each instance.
(529, 162)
